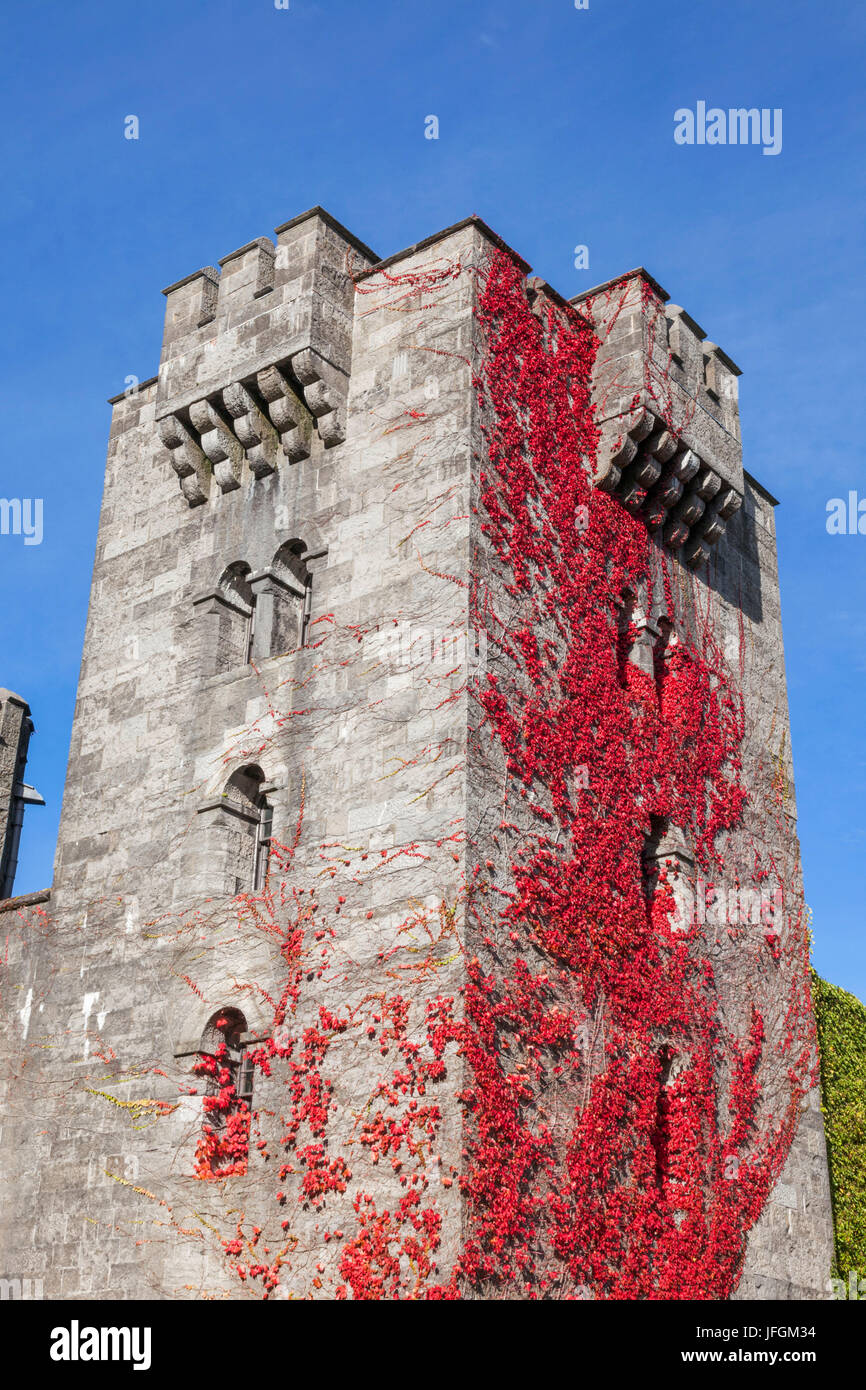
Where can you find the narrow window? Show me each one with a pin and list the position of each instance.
(232, 852)
(248, 825)
(308, 609)
(292, 591)
(251, 629)
(236, 617)
(263, 845)
(668, 872)
(226, 1064)
(244, 1079)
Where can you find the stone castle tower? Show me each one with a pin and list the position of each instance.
(288, 878)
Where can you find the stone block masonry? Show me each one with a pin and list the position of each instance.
(294, 1001)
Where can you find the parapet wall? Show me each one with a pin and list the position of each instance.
(257, 356)
(667, 406)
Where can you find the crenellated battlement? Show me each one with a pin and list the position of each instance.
(256, 355)
(667, 405)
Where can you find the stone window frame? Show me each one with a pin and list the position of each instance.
(667, 850)
(215, 808)
(243, 1038)
(273, 591)
(237, 1055)
(210, 608)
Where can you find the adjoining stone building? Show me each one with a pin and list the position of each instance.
(276, 686)
(16, 727)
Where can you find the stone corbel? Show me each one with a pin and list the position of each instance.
(618, 446)
(325, 392)
(685, 464)
(662, 444)
(253, 429)
(655, 475)
(632, 496)
(668, 492)
(676, 533)
(707, 484)
(646, 470)
(288, 415)
(691, 509)
(712, 525)
(727, 502)
(218, 444)
(696, 551)
(187, 459)
(615, 452)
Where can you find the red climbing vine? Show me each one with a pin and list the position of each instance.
(647, 1187)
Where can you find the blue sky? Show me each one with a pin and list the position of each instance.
(556, 126)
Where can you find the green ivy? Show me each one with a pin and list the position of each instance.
(841, 1023)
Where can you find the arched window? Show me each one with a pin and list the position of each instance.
(226, 621)
(283, 595)
(249, 825)
(238, 621)
(281, 599)
(290, 567)
(231, 853)
(250, 617)
(225, 1064)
